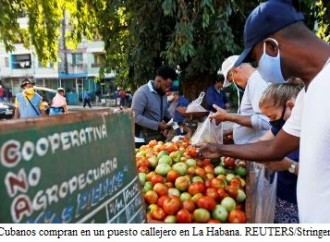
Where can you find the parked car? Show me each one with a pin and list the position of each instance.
(6, 110)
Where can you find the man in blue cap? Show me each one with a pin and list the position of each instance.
(276, 37)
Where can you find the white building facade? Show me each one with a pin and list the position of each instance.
(76, 70)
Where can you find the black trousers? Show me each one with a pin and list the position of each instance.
(86, 101)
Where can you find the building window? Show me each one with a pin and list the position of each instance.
(77, 59)
(99, 60)
(22, 61)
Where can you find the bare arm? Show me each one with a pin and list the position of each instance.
(240, 119)
(267, 136)
(270, 150)
(282, 165)
(222, 115)
(65, 107)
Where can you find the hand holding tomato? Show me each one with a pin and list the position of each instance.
(209, 150)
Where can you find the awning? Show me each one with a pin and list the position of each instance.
(72, 76)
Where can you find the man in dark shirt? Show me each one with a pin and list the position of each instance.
(215, 94)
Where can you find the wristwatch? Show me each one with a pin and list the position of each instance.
(292, 167)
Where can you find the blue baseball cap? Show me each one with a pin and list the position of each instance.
(266, 19)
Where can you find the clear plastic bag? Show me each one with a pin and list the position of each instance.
(208, 132)
(195, 105)
(263, 194)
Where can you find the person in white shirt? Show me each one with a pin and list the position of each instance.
(276, 37)
(250, 123)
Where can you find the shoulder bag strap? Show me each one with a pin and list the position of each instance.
(32, 106)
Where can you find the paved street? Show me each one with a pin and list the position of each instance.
(79, 107)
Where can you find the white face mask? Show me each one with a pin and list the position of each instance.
(270, 67)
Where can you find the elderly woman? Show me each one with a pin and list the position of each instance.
(59, 104)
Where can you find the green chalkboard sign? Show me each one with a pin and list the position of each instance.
(76, 168)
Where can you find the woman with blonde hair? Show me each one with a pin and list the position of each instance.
(276, 103)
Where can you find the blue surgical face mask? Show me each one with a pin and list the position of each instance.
(270, 67)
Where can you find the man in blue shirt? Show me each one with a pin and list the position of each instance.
(215, 94)
(28, 104)
(86, 98)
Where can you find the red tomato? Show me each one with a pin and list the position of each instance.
(213, 221)
(192, 152)
(232, 190)
(172, 175)
(151, 197)
(158, 214)
(235, 181)
(160, 189)
(183, 216)
(161, 200)
(150, 175)
(143, 169)
(222, 193)
(199, 171)
(207, 183)
(152, 143)
(209, 168)
(229, 163)
(170, 147)
(157, 179)
(196, 187)
(169, 184)
(217, 183)
(142, 161)
(207, 162)
(236, 216)
(189, 205)
(212, 192)
(206, 202)
(172, 205)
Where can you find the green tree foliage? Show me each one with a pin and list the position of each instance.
(195, 36)
(323, 19)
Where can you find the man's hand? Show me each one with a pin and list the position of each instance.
(163, 126)
(208, 150)
(220, 115)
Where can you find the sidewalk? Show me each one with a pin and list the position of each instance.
(79, 107)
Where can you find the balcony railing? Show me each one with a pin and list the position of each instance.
(97, 65)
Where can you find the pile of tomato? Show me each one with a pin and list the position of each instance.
(179, 187)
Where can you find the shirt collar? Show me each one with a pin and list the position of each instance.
(150, 86)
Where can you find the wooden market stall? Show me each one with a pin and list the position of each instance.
(74, 168)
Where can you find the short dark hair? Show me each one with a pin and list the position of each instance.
(167, 72)
(220, 78)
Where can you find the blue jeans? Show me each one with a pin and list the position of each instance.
(56, 111)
